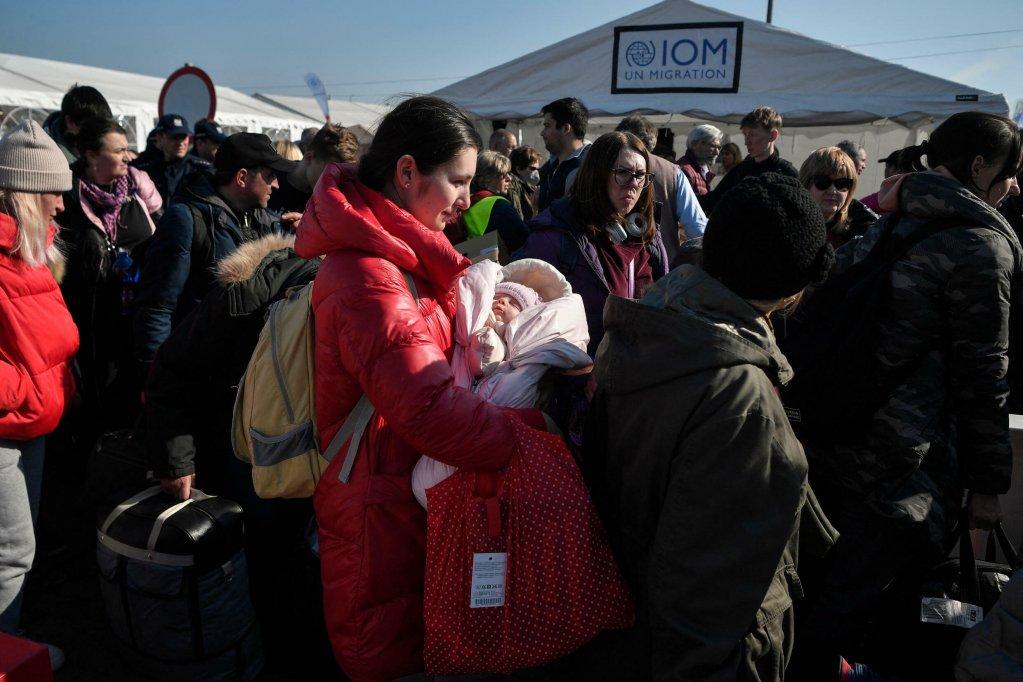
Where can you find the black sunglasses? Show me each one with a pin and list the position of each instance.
(822, 182)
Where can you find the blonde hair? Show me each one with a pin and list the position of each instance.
(832, 162)
(30, 243)
(491, 165)
(288, 150)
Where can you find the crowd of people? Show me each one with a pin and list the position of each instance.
(133, 291)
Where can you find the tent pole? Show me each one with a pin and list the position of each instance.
(770, 10)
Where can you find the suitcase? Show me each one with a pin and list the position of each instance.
(23, 661)
(175, 587)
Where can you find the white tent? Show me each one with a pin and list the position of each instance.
(39, 85)
(361, 117)
(824, 92)
(808, 81)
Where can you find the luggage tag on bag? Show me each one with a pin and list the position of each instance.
(950, 612)
(488, 573)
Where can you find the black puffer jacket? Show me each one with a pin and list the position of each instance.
(191, 387)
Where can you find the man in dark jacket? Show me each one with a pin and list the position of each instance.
(212, 216)
(761, 129)
(169, 169)
(702, 501)
(564, 132)
(79, 103)
(189, 404)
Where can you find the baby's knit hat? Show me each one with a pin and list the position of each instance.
(31, 162)
(521, 294)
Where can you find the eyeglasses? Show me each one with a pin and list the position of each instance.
(823, 182)
(624, 176)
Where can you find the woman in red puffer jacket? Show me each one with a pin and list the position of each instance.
(375, 336)
(37, 341)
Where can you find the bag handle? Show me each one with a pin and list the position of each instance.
(141, 497)
(969, 583)
(998, 535)
(355, 423)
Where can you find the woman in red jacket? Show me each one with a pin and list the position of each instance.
(37, 341)
(374, 336)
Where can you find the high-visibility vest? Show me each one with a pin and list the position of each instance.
(477, 217)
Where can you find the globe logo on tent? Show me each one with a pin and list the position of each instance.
(640, 53)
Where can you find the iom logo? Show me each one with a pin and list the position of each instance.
(696, 57)
(640, 53)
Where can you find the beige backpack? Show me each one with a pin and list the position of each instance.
(274, 426)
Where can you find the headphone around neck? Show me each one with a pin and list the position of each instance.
(635, 226)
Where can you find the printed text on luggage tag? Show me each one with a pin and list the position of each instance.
(488, 571)
(950, 612)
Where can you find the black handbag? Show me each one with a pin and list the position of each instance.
(928, 617)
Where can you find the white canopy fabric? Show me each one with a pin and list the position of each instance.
(41, 83)
(364, 116)
(809, 82)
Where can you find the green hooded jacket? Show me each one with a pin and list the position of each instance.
(700, 481)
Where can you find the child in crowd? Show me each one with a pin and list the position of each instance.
(512, 325)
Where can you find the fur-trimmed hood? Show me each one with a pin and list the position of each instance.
(243, 262)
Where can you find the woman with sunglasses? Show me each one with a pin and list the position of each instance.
(830, 177)
(603, 236)
(895, 491)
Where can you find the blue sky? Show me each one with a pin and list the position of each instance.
(420, 45)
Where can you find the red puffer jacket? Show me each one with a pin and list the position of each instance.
(372, 337)
(37, 341)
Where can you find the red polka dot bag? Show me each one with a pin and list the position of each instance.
(518, 568)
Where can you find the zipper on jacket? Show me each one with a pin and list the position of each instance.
(278, 371)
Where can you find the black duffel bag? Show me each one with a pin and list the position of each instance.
(175, 587)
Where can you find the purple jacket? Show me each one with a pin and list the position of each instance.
(556, 239)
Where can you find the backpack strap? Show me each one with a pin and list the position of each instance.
(202, 243)
(357, 420)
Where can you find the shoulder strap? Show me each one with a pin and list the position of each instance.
(357, 420)
(202, 240)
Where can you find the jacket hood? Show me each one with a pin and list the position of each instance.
(937, 195)
(688, 322)
(241, 264)
(343, 214)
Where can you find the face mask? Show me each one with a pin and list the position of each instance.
(533, 177)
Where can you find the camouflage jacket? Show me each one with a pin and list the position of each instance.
(947, 428)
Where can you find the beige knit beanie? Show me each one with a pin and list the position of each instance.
(31, 162)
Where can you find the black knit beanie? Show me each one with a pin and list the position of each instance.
(766, 239)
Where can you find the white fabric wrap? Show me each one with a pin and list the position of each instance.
(550, 335)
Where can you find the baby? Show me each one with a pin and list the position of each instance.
(512, 325)
(487, 348)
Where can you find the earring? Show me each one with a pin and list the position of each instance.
(408, 185)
